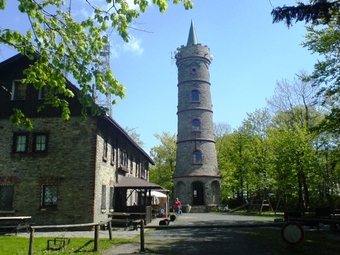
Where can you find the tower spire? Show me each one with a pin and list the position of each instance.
(192, 39)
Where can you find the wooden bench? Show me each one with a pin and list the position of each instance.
(321, 215)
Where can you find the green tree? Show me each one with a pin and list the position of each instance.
(234, 162)
(256, 126)
(135, 136)
(294, 164)
(164, 156)
(296, 113)
(326, 74)
(315, 12)
(326, 187)
(220, 132)
(227, 166)
(62, 44)
(296, 100)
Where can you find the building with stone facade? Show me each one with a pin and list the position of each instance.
(61, 172)
(197, 179)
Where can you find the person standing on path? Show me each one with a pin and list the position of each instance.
(177, 206)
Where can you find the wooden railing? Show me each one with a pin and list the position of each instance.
(85, 225)
(96, 232)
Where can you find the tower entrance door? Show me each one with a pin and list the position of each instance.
(197, 193)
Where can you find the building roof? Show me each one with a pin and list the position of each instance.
(75, 89)
(133, 183)
(192, 39)
(124, 133)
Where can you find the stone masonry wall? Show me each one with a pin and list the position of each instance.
(69, 162)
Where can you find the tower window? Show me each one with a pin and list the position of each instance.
(197, 157)
(195, 95)
(196, 125)
(193, 70)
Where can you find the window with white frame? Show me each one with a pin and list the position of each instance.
(19, 90)
(6, 196)
(39, 142)
(111, 198)
(20, 142)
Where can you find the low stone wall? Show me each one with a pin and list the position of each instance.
(186, 208)
(212, 208)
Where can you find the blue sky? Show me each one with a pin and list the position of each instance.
(250, 55)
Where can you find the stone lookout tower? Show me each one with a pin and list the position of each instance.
(197, 180)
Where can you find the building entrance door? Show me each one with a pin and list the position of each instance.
(197, 193)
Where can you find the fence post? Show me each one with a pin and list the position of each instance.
(142, 249)
(30, 249)
(110, 230)
(96, 238)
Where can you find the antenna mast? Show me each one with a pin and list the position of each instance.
(104, 67)
(69, 8)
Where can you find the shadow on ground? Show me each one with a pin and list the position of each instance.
(237, 241)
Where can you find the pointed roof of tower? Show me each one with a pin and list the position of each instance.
(192, 39)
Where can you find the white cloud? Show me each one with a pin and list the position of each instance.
(133, 6)
(80, 8)
(114, 51)
(134, 45)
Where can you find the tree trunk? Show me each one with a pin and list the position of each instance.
(300, 194)
(305, 189)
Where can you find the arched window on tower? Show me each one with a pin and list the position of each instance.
(196, 125)
(195, 95)
(197, 157)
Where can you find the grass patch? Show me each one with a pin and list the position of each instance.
(14, 245)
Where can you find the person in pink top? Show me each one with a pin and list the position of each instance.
(177, 206)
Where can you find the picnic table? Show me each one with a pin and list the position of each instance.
(130, 219)
(15, 223)
(316, 217)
